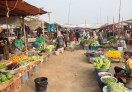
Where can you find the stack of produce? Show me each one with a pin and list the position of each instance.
(2, 65)
(101, 63)
(17, 58)
(108, 80)
(13, 66)
(5, 77)
(23, 62)
(34, 58)
(112, 39)
(115, 87)
(95, 43)
(86, 41)
(113, 54)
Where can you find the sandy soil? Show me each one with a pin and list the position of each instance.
(68, 72)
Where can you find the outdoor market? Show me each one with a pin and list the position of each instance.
(44, 56)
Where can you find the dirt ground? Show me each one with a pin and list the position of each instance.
(68, 72)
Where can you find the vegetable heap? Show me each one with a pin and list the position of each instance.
(17, 58)
(5, 77)
(12, 66)
(86, 41)
(95, 43)
(101, 63)
(112, 39)
(2, 65)
(23, 62)
(108, 80)
(115, 87)
(113, 54)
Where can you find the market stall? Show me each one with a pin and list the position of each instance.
(106, 81)
(18, 68)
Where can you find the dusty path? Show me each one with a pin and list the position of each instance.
(68, 72)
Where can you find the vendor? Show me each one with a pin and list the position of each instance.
(127, 72)
(18, 44)
(100, 37)
(4, 44)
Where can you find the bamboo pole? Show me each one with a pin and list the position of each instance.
(25, 38)
(122, 27)
(113, 26)
(43, 32)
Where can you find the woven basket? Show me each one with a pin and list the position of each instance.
(94, 54)
(3, 85)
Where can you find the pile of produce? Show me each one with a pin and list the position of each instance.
(95, 43)
(23, 62)
(115, 87)
(40, 46)
(112, 39)
(106, 45)
(34, 58)
(86, 41)
(17, 58)
(101, 75)
(101, 63)
(108, 80)
(13, 66)
(113, 54)
(2, 65)
(5, 77)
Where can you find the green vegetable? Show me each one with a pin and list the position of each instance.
(112, 39)
(3, 78)
(95, 43)
(2, 65)
(108, 80)
(22, 62)
(101, 63)
(8, 75)
(115, 87)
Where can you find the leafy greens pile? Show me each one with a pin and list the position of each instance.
(115, 87)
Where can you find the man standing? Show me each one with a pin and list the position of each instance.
(4, 46)
(77, 35)
(18, 43)
(72, 40)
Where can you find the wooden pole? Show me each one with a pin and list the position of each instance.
(113, 26)
(25, 37)
(119, 19)
(122, 26)
(43, 33)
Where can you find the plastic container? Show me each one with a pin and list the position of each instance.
(128, 42)
(30, 73)
(120, 49)
(41, 84)
(24, 78)
(35, 68)
(86, 47)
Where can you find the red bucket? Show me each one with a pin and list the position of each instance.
(128, 42)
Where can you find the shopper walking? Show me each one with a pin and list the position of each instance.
(72, 41)
(60, 41)
(100, 37)
(66, 38)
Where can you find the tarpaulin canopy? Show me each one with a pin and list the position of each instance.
(18, 8)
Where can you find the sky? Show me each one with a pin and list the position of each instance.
(84, 10)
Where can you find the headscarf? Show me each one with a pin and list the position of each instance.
(59, 34)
